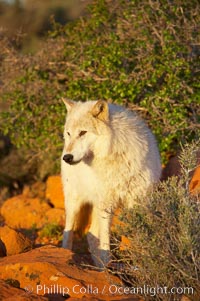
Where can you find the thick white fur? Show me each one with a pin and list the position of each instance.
(117, 159)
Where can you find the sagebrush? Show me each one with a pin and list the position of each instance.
(164, 235)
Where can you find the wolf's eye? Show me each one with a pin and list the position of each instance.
(82, 133)
(68, 133)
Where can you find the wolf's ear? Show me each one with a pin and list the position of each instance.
(68, 103)
(101, 110)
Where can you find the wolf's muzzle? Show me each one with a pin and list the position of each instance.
(68, 158)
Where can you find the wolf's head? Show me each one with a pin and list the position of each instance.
(87, 132)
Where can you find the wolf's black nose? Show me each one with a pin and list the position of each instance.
(68, 158)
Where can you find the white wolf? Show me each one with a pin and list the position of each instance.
(109, 155)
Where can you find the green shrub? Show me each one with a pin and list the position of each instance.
(52, 230)
(142, 54)
(164, 236)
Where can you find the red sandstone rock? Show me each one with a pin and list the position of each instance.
(10, 293)
(2, 249)
(195, 182)
(14, 242)
(54, 215)
(49, 270)
(54, 191)
(23, 212)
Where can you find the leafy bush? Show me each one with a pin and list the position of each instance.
(164, 236)
(142, 54)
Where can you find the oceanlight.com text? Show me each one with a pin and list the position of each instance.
(111, 289)
(150, 291)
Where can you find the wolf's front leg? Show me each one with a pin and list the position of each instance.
(105, 220)
(93, 238)
(99, 237)
(68, 231)
(67, 239)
